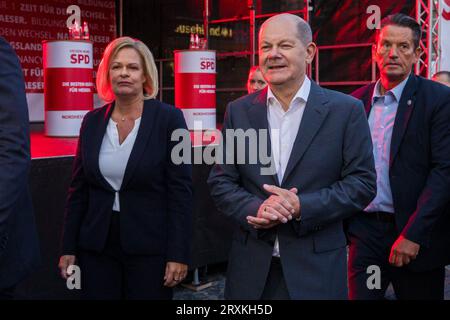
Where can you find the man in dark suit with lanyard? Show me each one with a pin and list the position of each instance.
(405, 230)
(19, 244)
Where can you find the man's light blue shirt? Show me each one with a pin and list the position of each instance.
(381, 123)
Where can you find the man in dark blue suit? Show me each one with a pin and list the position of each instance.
(405, 231)
(19, 244)
(289, 241)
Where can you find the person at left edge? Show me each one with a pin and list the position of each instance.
(19, 243)
(128, 212)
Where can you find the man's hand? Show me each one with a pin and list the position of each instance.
(264, 218)
(64, 263)
(403, 251)
(289, 196)
(175, 273)
(280, 207)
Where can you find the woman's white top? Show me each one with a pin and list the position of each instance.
(114, 157)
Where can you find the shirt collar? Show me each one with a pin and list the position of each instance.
(302, 93)
(396, 91)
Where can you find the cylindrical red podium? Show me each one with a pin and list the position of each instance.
(68, 85)
(195, 87)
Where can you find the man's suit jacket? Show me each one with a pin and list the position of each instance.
(19, 243)
(332, 166)
(419, 172)
(155, 196)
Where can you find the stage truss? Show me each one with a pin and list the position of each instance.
(427, 15)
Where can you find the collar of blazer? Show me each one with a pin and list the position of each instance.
(316, 110)
(149, 113)
(404, 110)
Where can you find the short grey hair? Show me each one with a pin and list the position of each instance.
(304, 31)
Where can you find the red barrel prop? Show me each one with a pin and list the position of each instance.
(68, 85)
(195, 87)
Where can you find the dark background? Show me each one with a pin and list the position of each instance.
(333, 22)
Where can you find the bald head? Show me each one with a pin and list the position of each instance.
(304, 33)
(442, 77)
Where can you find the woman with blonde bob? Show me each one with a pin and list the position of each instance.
(128, 212)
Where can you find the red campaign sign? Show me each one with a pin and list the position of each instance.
(195, 90)
(72, 89)
(26, 23)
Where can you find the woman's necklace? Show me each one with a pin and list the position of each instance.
(121, 116)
